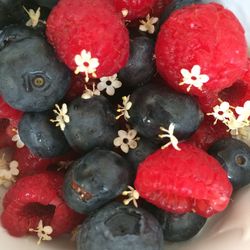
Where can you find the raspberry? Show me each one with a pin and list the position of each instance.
(206, 35)
(93, 26)
(208, 133)
(135, 8)
(184, 181)
(36, 198)
(239, 92)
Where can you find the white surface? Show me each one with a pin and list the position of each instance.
(228, 231)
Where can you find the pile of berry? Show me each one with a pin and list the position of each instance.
(120, 118)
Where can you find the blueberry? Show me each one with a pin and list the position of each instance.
(41, 136)
(140, 67)
(155, 106)
(11, 11)
(92, 124)
(234, 156)
(179, 227)
(119, 227)
(31, 77)
(47, 3)
(95, 180)
(175, 5)
(144, 148)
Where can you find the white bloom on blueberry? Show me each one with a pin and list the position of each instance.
(86, 64)
(244, 113)
(16, 138)
(169, 133)
(123, 110)
(222, 112)
(110, 83)
(193, 78)
(8, 171)
(34, 17)
(43, 232)
(148, 25)
(133, 195)
(62, 118)
(88, 93)
(126, 140)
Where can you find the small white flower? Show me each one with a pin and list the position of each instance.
(126, 140)
(244, 113)
(61, 117)
(169, 133)
(242, 134)
(222, 112)
(8, 171)
(124, 12)
(133, 196)
(148, 25)
(86, 64)
(34, 17)
(16, 138)
(193, 78)
(109, 83)
(88, 93)
(123, 110)
(43, 232)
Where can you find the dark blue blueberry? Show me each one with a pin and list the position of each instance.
(140, 67)
(179, 227)
(234, 156)
(144, 148)
(175, 5)
(119, 227)
(155, 106)
(47, 3)
(31, 77)
(11, 11)
(92, 124)
(41, 136)
(96, 179)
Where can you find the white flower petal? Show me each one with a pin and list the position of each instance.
(224, 106)
(143, 28)
(125, 148)
(132, 134)
(117, 84)
(122, 134)
(110, 90)
(48, 229)
(185, 73)
(101, 85)
(196, 70)
(203, 78)
(118, 142)
(132, 144)
(78, 60)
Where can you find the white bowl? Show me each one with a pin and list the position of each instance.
(228, 231)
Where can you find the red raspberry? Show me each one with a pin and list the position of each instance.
(135, 8)
(208, 133)
(184, 181)
(206, 35)
(35, 198)
(239, 92)
(93, 26)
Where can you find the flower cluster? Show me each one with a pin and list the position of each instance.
(123, 109)
(8, 171)
(88, 93)
(233, 117)
(133, 196)
(62, 117)
(148, 25)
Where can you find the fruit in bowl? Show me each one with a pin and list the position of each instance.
(117, 125)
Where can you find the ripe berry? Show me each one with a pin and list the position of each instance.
(107, 44)
(140, 67)
(96, 179)
(92, 124)
(234, 156)
(179, 227)
(184, 181)
(155, 106)
(41, 136)
(191, 60)
(31, 78)
(120, 227)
